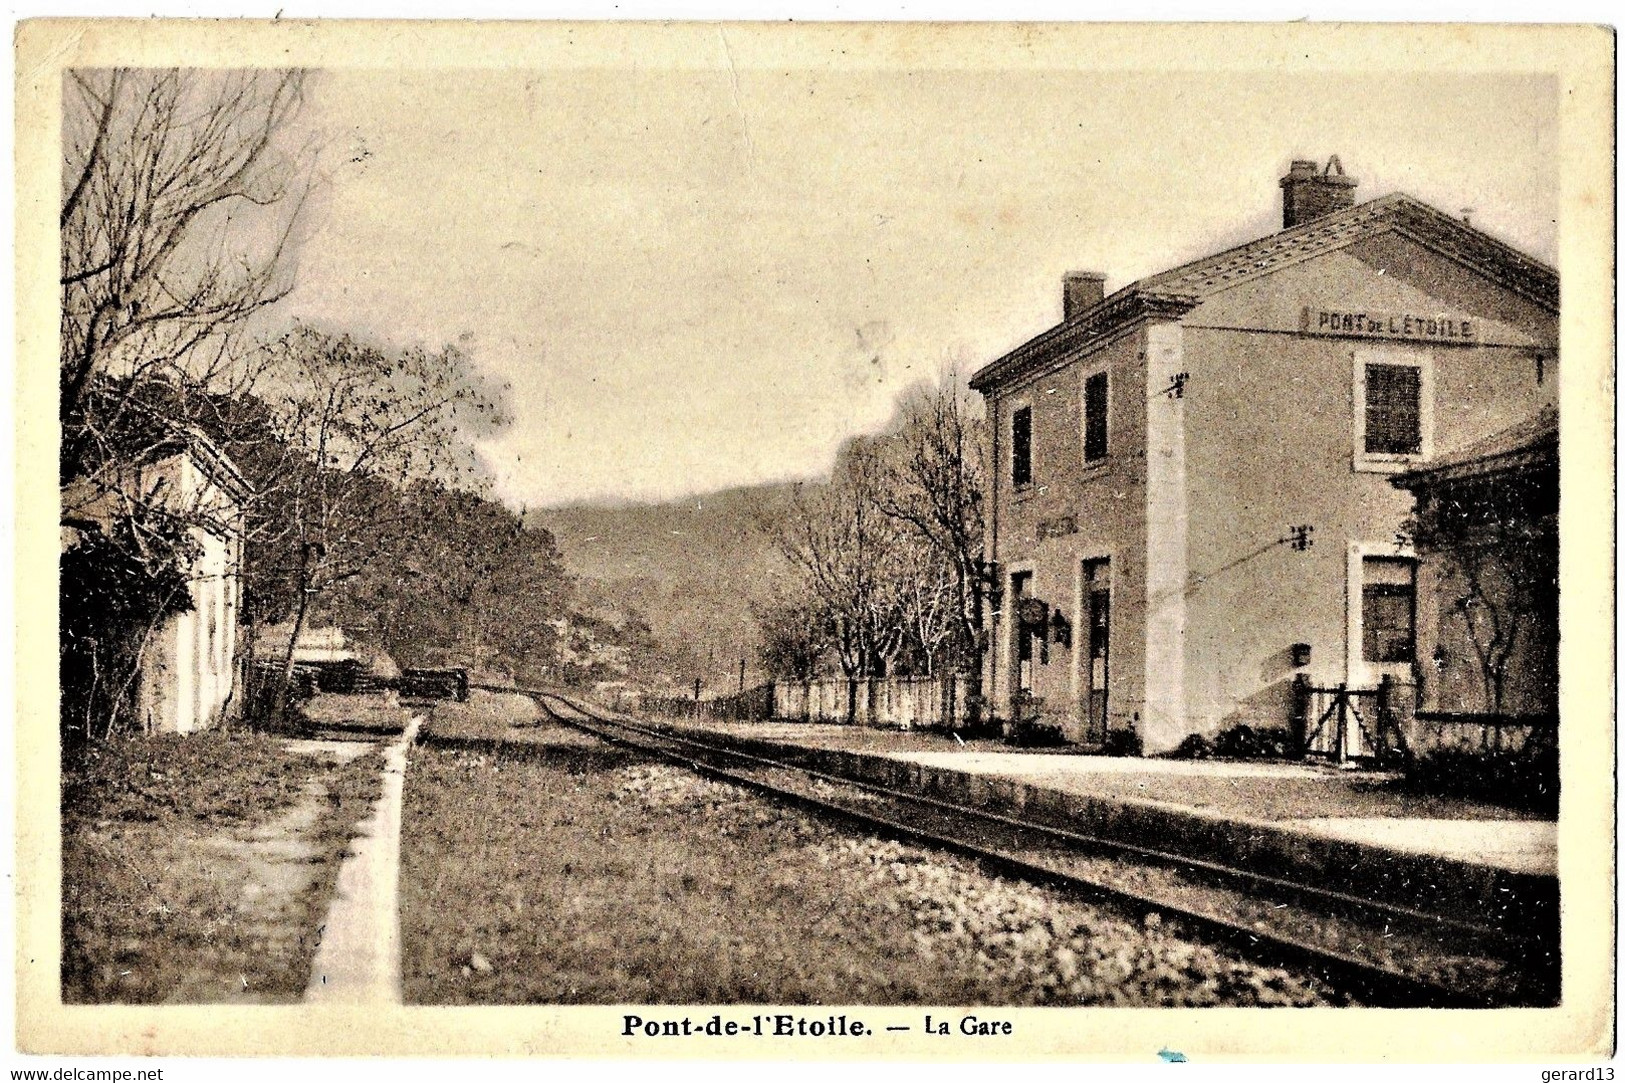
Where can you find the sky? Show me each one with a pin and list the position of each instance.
(700, 279)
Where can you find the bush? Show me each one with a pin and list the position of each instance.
(1520, 779)
(1122, 743)
(115, 587)
(1244, 742)
(1193, 747)
(1032, 733)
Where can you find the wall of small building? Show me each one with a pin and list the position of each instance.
(189, 676)
(1270, 442)
(1084, 513)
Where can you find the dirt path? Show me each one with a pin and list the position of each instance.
(185, 911)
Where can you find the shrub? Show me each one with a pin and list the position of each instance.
(115, 588)
(1122, 743)
(1193, 747)
(1522, 779)
(1032, 733)
(1244, 742)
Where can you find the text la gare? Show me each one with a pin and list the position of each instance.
(970, 1026)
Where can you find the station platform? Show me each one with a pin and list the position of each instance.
(1353, 830)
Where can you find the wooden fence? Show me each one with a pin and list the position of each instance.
(1385, 726)
(1432, 731)
(753, 704)
(900, 702)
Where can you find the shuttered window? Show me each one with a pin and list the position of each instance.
(1021, 446)
(1094, 418)
(1393, 410)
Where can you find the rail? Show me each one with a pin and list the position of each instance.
(1018, 847)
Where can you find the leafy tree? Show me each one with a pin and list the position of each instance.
(364, 423)
(794, 633)
(460, 578)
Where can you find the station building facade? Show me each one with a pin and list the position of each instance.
(1190, 502)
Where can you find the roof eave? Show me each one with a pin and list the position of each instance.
(1127, 306)
(1506, 462)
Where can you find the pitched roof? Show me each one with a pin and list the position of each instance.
(1174, 292)
(1531, 442)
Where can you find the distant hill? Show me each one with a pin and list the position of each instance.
(691, 567)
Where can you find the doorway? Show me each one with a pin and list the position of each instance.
(1097, 611)
(1020, 589)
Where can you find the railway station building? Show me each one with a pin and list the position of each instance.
(1191, 515)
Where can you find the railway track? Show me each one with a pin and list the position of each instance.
(1376, 953)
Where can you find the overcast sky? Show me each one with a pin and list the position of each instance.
(702, 279)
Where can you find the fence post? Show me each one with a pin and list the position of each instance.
(1342, 725)
(1301, 699)
(1385, 703)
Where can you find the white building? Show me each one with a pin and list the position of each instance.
(189, 668)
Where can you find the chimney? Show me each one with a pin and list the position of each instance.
(1081, 290)
(1306, 194)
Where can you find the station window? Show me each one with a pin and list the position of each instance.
(1095, 405)
(1388, 609)
(1021, 446)
(1393, 410)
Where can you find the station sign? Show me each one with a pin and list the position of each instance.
(1414, 326)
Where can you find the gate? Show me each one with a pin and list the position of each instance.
(1350, 725)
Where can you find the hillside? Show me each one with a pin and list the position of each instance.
(690, 567)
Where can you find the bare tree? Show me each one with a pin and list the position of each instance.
(888, 553)
(180, 201)
(934, 486)
(848, 555)
(1496, 547)
(926, 608)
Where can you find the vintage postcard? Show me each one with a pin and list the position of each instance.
(842, 541)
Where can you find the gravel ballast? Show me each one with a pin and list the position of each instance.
(563, 873)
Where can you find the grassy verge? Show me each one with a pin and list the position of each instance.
(370, 713)
(584, 874)
(198, 869)
(483, 716)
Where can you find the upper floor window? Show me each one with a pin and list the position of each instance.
(1021, 446)
(1392, 412)
(1095, 405)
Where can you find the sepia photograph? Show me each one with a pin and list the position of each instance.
(825, 536)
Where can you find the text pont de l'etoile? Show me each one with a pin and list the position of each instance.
(788, 1025)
